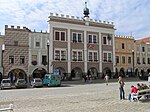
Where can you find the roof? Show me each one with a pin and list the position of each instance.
(143, 40)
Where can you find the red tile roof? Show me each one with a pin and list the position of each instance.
(147, 39)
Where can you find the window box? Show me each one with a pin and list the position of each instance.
(34, 62)
(139, 63)
(74, 40)
(79, 59)
(109, 61)
(105, 60)
(63, 59)
(44, 63)
(96, 60)
(57, 59)
(74, 59)
(90, 60)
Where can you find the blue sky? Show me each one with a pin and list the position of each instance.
(127, 15)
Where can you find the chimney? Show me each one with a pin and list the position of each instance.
(12, 27)
(18, 27)
(6, 26)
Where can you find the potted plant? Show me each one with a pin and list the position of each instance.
(34, 62)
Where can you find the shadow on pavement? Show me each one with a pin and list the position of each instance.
(81, 82)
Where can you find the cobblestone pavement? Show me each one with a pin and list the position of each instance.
(74, 98)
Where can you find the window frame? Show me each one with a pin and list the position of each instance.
(60, 35)
(106, 59)
(22, 59)
(91, 39)
(77, 37)
(11, 59)
(123, 60)
(60, 56)
(91, 55)
(108, 41)
(78, 57)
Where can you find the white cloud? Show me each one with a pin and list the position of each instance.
(129, 16)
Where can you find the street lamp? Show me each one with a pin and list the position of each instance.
(48, 43)
(3, 49)
(133, 61)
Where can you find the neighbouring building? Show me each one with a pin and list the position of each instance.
(37, 65)
(16, 53)
(124, 46)
(142, 57)
(1, 54)
(81, 46)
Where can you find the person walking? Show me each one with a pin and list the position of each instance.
(121, 88)
(106, 78)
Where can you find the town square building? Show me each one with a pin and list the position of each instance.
(81, 46)
(124, 47)
(16, 53)
(142, 57)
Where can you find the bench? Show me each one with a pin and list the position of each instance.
(142, 93)
(6, 106)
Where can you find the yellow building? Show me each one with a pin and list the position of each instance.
(124, 51)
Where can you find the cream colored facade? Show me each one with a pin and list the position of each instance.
(124, 46)
(142, 57)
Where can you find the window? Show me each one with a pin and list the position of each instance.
(44, 60)
(92, 38)
(148, 60)
(63, 55)
(138, 60)
(123, 60)
(105, 57)
(74, 37)
(93, 56)
(77, 37)
(109, 57)
(60, 35)
(11, 59)
(144, 61)
(22, 59)
(104, 40)
(56, 35)
(143, 49)
(122, 45)
(74, 55)
(129, 60)
(34, 57)
(16, 43)
(117, 59)
(77, 55)
(60, 55)
(90, 56)
(37, 44)
(57, 55)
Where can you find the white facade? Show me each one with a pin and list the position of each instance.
(71, 23)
